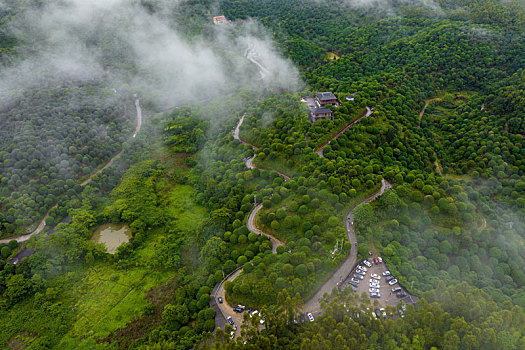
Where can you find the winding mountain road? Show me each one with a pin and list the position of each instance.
(346, 267)
(339, 275)
(253, 228)
(367, 113)
(42, 223)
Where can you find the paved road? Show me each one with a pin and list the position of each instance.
(249, 161)
(253, 228)
(42, 223)
(252, 56)
(367, 113)
(342, 272)
(225, 309)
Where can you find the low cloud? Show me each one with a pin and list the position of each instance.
(127, 45)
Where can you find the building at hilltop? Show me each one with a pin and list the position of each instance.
(326, 98)
(219, 20)
(320, 113)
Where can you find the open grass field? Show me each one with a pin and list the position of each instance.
(102, 298)
(107, 299)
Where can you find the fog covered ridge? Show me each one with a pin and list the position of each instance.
(127, 44)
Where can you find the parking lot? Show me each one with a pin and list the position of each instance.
(385, 289)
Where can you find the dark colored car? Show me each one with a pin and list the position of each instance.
(220, 300)
(401, 294)
(389, 278)
(237, 309)
(378, 313)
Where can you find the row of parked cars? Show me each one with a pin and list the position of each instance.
(381, 312)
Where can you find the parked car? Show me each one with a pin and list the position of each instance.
(401, 313)
(230, 320)
(396, 289)
(310, 317)
(360, 272)
(392, 282)
(386, 273)
(359, 267)
(376, 276)
(373, 290)
(367, 263)
(359, 277)
(374, 285)
(389, 278)
(354, 280)
(355, 284)
(377, 261)
(237, 309)
(401, 294)
(375, 295)
(220, 300)
(378, 313)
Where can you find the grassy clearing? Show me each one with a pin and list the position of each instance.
(107, 299)
(181, 205)
(102, 299)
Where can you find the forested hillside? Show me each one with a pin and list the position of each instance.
(248, 224)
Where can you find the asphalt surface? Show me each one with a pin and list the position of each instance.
(253, 228)
(347, 266)
(338, 277)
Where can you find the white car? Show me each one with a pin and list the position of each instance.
(374, 285)
(376, 276)
(392, 282)
(373, 290)
(386, 273)
(310, 317)
(367, 263)
(362, 268)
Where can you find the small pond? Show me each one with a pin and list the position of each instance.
(112, 235)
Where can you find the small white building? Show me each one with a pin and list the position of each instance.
(219, 20)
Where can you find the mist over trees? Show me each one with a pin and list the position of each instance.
(444, 80)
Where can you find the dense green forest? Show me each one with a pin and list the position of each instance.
(443, 82)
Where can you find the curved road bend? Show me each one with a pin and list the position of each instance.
(339, 275)
(313, 305)
(42, 223)
(249, 162)
(253, 228)
(367, 113)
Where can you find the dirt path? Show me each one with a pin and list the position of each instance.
(367, 113)
(42, 223)
(427, 102)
